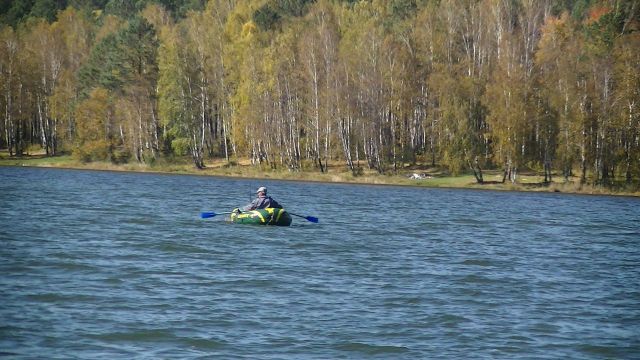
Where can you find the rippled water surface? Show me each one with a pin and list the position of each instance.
(101, 265)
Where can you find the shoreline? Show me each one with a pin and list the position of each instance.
(529, 182)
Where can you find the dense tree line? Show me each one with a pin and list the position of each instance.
(550, 85)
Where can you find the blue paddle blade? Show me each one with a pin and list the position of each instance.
(313, 219)
(206, 215)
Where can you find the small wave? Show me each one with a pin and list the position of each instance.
(451, 320)
(600, 350)
(63, 264)
(400, 301)
(371, 349)
(60, 298)
(138, 221)
(477, 262)
(206, 344)
(181, 248)
(151, 335)
(477, 279)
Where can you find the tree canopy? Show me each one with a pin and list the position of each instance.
(468, 85)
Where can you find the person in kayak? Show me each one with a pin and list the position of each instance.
(262, 201)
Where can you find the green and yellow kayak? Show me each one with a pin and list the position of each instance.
(268, 216)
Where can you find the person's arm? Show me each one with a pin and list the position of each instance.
(251, 206)
(274, 204)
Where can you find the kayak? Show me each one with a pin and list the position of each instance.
(268, 216)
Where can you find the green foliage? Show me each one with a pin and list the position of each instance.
(120, 156)
(127, 56)
(269, 15)
(602, 33)
(293, 7)
(181, 146)
(45, 9)
(180, 7)
(12, 12)
(266, 17)
(137, 51)
(102, 69)
(94, 150)
(402, 9)
(124, 8)
(579, 8)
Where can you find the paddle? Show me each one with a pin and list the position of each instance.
(309, 218)
(206, 215)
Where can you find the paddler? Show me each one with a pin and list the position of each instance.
(262, 201)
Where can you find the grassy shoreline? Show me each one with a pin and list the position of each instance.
(434, 178)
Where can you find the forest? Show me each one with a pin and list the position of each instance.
(551, 86)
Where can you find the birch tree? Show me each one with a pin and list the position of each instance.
(46, 49)
(627, 103)
(10, 85)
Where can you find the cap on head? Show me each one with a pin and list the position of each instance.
(262, 189)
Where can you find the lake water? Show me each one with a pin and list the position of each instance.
(103, 265)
